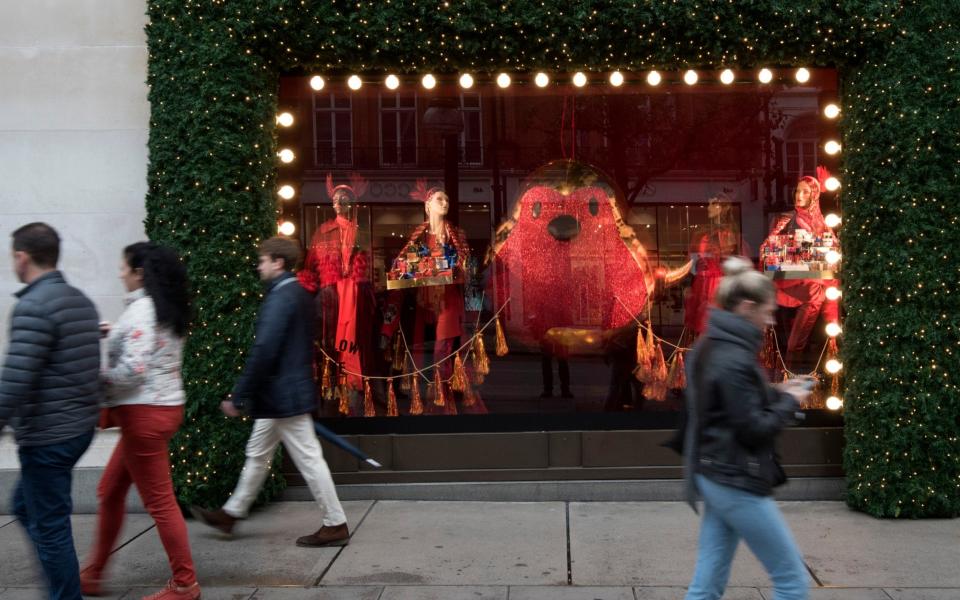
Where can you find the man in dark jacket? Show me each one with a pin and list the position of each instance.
(276, 388)
(49, 393)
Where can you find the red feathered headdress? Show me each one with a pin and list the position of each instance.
(422, 193)
(357, 187)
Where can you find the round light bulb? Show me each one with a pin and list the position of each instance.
(317, 82)
(579, 79)
(616, 79)
(833, 366)
(286, 192)
(765, 76)
(802, 75)
(726, 77)
(286, 228)
(832, 184)
(392, 82)
(541, 79)
(285, 119)
(834, 329)
(832, 257)
(832, 220)
(503, 80)
(654, 78)
(466, 81)
(429, 81)
(354, 82)
(831, 111)
(690, 77)
(833, 293)
(831, 147)
(834, 403)
(287, 155)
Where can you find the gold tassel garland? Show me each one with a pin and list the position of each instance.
(399, 356)
(469, 396)
(660, 373)
(439, 396)
(392, 410)
(677, 379)
(459, 381)
(481, 362)
(768, 351)
(641, 346)
(368, 408)
(344, 393)
(326, 387)
(416, 403)
(502, 348)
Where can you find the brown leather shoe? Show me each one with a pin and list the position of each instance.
(218, 519)
(328, 535)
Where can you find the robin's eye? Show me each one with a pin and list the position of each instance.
(537, 207)
(594, 207)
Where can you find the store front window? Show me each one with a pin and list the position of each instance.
(554, 251)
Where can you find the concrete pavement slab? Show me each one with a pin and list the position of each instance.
(644, 543)
(821, 593)
(923, 594)
(445, 592)
(850, 549)
(462, 543)
(6, 520)
(675, 593)
(261, 552)
(570, 593)
(19, 566)
(325, 593)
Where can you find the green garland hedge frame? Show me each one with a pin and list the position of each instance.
(213, 70)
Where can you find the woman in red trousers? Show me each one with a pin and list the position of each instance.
(144, 397)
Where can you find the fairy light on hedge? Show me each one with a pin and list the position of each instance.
(317, 82)
(834, 329)
(286, 155)
(354, 82)
(466, 81)
(727, 77)
(654, 78)
(428, 82)
(832, 184)
(286, 228)
(286, 192)
(831, 111)
(690, 77)
(802, 75)
(542, 80)
(616, 79)
(285, 119)
(503, 80)
(834, 403)
(392, 82)
(831, 147)
(579, 79)
(833, 366)
(765, 76)
(833, 293)
(832, 220)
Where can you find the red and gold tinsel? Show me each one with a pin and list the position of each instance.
(458, 382)
(392, 410)
(416, 403)
(502, 348)
(368, 409)
(344, 394)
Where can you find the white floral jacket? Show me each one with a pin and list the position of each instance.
(143, 360)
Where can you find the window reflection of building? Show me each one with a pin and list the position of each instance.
(333, 130)
(398, 129)
(471, 139)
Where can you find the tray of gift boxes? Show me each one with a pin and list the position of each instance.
(801, 255)
(418, 266)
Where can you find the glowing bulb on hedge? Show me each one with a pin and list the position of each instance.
(802, 75)
(832, 257)
(579, 79)
(834, 403)
(286, 155)
(286, 228)
(286, 192)
(690, 77)
(834, 329)
(541, 79)
(726, 77)
(831, 147)
(832, 220)
(392, 82)
(831, 111)
(616, 79)
(765, 76)
(833, 293)
(653, 78)
(317, 82)
(833, 366)
(832, 184)
(429, 81)
(503, 80)
(354, 83)
(285, 119)
(466, 81)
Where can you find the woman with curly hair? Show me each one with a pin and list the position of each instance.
(144, 397)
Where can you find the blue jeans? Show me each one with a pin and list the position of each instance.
(43, 504)
(730, 514)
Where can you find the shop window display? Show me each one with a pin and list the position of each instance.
(559, 252)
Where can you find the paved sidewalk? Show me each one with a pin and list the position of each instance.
(405, 550)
